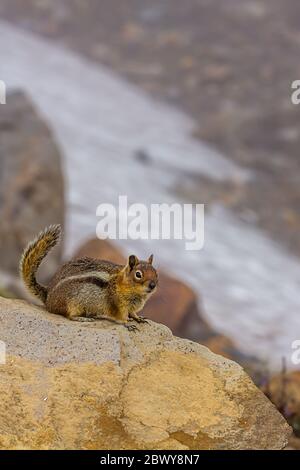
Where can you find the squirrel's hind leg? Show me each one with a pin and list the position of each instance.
(76, 313)
(83, 319)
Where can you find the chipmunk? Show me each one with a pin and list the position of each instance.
(87, 289)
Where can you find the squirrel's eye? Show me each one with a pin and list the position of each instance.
(138, 275)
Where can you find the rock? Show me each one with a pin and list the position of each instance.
(173, 293)
(101, 249)
(31, 182)
(220, 344)
(187, 320)
(5, 293)
(284, 391)
(294, 443)
(176, 297)
(97, 386)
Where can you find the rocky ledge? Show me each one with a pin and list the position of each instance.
(67, 385)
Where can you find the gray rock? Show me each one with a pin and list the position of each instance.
(31, 182)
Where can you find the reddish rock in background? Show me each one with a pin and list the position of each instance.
(176, 305)
(31, 183)
(284, 391)
(100, 249)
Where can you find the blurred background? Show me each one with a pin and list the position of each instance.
(165, 101)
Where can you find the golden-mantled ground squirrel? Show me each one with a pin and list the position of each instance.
(87, 289)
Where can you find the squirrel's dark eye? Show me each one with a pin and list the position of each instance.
(138, 274)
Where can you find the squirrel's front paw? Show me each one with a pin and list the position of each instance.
(142, 320)
(131, 327)
(138, 319)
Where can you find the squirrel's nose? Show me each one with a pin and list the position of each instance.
(152, 285)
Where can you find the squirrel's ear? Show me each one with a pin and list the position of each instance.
(150, 259)
(132, 261)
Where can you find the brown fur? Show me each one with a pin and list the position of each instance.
(86, 288)
(32, 257)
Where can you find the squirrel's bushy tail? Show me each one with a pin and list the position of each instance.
(32, 257)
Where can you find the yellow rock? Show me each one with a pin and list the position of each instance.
(67, 385)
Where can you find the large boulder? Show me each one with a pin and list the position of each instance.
(70, 385)
(31, 182)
